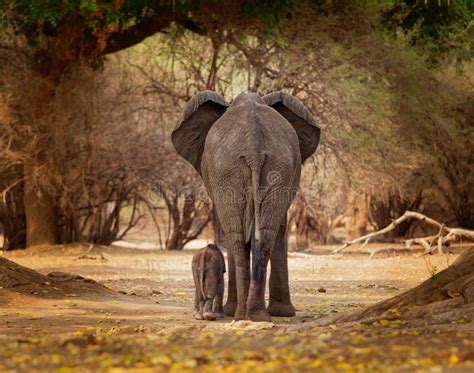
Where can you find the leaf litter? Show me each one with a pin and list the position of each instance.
(133, 332)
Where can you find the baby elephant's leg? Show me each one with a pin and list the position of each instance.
(198, 305)
(198, 298)
(218, 300)
(207, 311)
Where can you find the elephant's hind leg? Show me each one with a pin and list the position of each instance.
(198, 305)
(198, 298)
(280, 303)
(261, 250)
(241, 257)
(217, 306)
(207, 310)
(231, 304)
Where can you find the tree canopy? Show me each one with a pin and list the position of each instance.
(61, 32)
(444, 25)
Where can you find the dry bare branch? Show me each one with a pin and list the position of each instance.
(444, 236)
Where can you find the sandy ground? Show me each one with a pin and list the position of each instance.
(153, 307)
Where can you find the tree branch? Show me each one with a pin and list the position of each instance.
(133, 35)
(445, 234)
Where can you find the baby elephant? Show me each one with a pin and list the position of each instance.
(208, 273)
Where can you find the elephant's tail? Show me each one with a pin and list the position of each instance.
(256, 169)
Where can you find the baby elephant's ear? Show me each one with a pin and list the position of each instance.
(200, 113)
(299, 117)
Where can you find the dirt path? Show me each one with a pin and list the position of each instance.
(149, 323)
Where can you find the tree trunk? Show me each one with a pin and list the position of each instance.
(175, 242)
(41, 213)
(446, 299)
(357, 215)
(464, 211)
(302, 226)
(13, 220)
(384, 211)
(12, 211)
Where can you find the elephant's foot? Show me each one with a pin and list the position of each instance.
(281, 309)
(198, 315)
(239, 313)
(219, 311)
(260, 315)
(209, 316)
(229, 308)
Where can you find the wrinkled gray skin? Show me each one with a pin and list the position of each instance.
(208, 272)
(249, 155)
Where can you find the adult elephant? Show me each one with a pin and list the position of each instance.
(249, 154)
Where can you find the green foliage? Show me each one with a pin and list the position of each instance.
(443, 25)
(271, 13)
(37, 19)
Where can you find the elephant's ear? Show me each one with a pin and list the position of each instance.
(200, 113)
(300, 118)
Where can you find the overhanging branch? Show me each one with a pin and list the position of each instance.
(131, 36)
